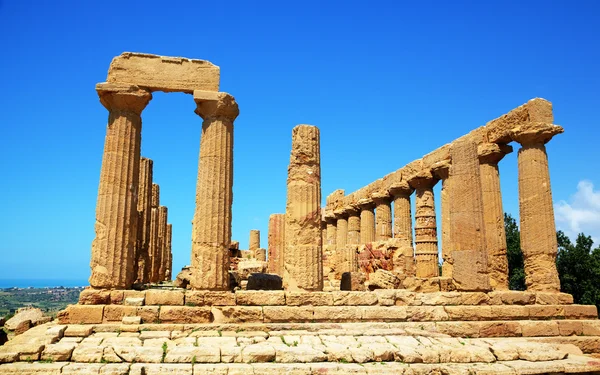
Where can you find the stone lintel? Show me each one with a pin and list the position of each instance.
(365, 203)
(492, 153)
(401, 188)
(350, 210)
(381, 197)
(423, 179)
(328, 215)
(441, 169)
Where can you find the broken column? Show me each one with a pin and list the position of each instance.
(367, 220)
(404, 261)
(211, 226)
(383, 215)
(169, 251)
(254, 242)
(490, 155)
(442, 171)
(467, 231)
(538, 230)
(276, 241)
(162, 242)
(144, 212)
(113, 254)
(331, 229)
(303, 260)
(154, 246)
(426, 246)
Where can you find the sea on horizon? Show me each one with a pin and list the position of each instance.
(42, 283)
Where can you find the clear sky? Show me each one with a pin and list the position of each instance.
(386, 82)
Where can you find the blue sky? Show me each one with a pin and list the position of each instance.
(386, 82)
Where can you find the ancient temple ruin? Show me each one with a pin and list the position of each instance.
(351, 287)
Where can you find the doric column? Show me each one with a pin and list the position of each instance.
(211, 226)
(303, 260)
(538, 230)
(426, 247)
(113, 254)
(144, 212)
(162, 243)
(169, 239)
(404, 259)
(331, 228)
(383, 215)
(254, 242)
(467, 230)
(154, 246)
(341, 235)
(441, 170)
(276, 240)
(367, 220)
(490, 155)
(353, 214)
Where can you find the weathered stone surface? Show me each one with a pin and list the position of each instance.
(426, 247)
(276, 243)
(310, 298)
(211, 226)
(382, 279)
(264, 281)
(353, 281)
(254, 242)
(383, 216)
(164, 73)
(237, 314)
(303, 260)
(144, 208)
(183, 278)
(81, 314)
(247, 267)
(91, 296)
(260, 298)
(31, 314)
(288, 313)
(354, 298)
(185, 314)
(164, 297)
(115, 313)
(367, 220)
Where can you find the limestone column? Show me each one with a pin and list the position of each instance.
(211, 226)
(162, 243)
(169, 239)
(154, 246)
(144, 212)
(426, 246)
(341, 235)
(329, 243)
(353, 214)
(467, 230)
(404, 260)
(490, 155)
(442, 171)
(303, 260)
(331, 228)
(538, 230)
(276, 240)
(383, 216)
(254, 242)
(367, 220)
(113, 253)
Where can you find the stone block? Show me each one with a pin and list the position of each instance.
(117, 297)
(78, 331)
(149, 314)
(32, 368)
(580, 312)
(83, 314)
(115, 313)
(570, 327)
(500, 329)
(264, 281)
(510, 312)
(194, 298)
(237, 314)
(219, 299)
(426, 313)
(184, 314)
(291, 314)
(421, 285)
(58, 352)
(591, 327)
(354, 298)
(132, 301)
(469, 312)
(198, 354)
(337, 313)
(546, 311)
(353, 281)
(260, 298)
(542, 298)
(258, 353)
(459, 329)
(309, 298)
(539, 328)
(129, 320)
(91, 296)
(510, 297)
(164, 297)
(384, 313)
(453, 298)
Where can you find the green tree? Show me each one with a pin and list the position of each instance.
(516, 273)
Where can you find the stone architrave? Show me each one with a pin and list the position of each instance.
(404, 260)
(490, 155)
(341, 235)
(169, 251)
(383, 215)
(367, 220)
(303, 260)
(467, 231)
(144, 211)
(211, 226)
(353, 214)
(154, 246)
(426, 245)
(162, 243)
(113, 248)
(442, 171)
(254, 242)
(276, 241)
(538, 230)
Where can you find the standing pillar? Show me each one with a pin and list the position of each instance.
(404, 259)
(490, 155)
(211, 226)
(538, 230)
(329, 244)
(467, 231)
(341, 235)
(276, 241)
(383, 216)
(331, 229)
(441, 170)
(367, 220)
(303, 260)
(169, 239)
(353, 214)
(162, 243)
(113, 253)
(153, 249)
(144, 212)
(426, 246)
(254, 242)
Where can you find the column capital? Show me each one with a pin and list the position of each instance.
(340, 214)
(351, 210)
(536, 133)
(441, 169)
(492, 153)
(212, 104)
(380, 197)
(120, 97)
(401, 188)
(423, 180)
(365, 204)
(329, 215)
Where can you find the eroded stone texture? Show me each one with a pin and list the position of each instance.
(468, 256)
(353, 214)
(404, 257)
(154, 246)
(383, 216)
(113, 252)
(211, 226)
(164, 73)
(347, 260)
(341, 236)
(276, 243)
(260, 254)
(442, 171)
(143, 228)
(538, 230)
(162, 242)
(367, 220)
(254, 242)
(303, 260)
(493, 214)
(426, 247)
(169, 252)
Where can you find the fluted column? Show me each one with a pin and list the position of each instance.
(441, 170)
(426, 246)
(144, 212)
(353, 214)
(404, 258)
(341, 235)
(303, 260)
(113, 253)
(211, 226)
(162, 243)
(367, 220)
(331, 229)
(276, 239)
(254, 242)
(538, 230)
(490, 155)
(154, 246)
(383, 215)
(467, 231)
(169, 239)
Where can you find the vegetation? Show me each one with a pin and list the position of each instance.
(49, 300)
